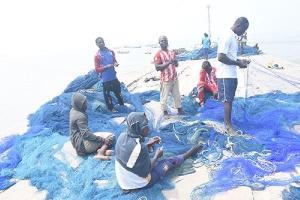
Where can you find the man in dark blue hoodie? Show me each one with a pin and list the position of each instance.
(133, 166)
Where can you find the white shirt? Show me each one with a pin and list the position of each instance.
(228, 44)
(128, 180)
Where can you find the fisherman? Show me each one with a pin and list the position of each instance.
(208, 82)
(81, 138)
(133, 166)
(227, 70)
(105, 63)
(165, 61)
(206, 45)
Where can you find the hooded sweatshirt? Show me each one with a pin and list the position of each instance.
(132, 154)
(79, 130)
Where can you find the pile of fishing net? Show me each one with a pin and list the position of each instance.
(41, 155)
(198, 54)
(267, 144)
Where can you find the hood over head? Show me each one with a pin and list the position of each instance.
(136, 122)
(78, 101)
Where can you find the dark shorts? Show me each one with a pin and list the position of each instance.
(205, 51)
(162, 167)
(227, 88)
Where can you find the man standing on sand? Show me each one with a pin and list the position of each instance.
(105, 63)
(227, 70)
(206, 45)
(165, 61)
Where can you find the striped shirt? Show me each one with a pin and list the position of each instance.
(207, 78)
(169, 73)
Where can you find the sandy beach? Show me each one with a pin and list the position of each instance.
(257, 84)
(250, 83)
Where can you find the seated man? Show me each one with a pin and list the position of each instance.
(134, 168)
(208, 82)
(81, 138)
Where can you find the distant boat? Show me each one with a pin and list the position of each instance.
(132, 46)
(155, 45)
(148, 52)
(123, 51)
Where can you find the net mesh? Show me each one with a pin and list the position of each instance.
(198, 54)
(268, 144)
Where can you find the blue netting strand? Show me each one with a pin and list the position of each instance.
(83, 82)
(198, 54)
(267, 145)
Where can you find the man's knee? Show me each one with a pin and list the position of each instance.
(200, 84)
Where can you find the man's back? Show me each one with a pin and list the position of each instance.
(206, 42)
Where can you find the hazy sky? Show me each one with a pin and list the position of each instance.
(32, 26)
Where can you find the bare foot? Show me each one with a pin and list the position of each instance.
(197, 148)
(232, 132)
(113, 110)
(102, 157)
(193, 150)
(107, 152)
(182, 113)
(166, 115)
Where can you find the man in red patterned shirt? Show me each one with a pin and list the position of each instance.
(165, 61)
(208, 82)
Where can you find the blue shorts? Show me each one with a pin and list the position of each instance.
(227, 88)
(205, 51)
(162, 167)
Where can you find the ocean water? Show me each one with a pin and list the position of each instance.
(285, 46)
(27, 82)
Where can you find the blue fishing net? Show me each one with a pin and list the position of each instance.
(291, 193)
(268, 144)
(198, 54)
(9, 159)
(37, 155)
(83, 82)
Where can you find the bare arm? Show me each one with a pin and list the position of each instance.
(223, 58)
(160, 66)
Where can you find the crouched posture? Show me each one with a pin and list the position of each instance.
(134, 168)
(208, 82)
(81, 138)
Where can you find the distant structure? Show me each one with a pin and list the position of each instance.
(209, 32)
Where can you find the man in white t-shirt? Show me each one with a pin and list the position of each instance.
(227, 70)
